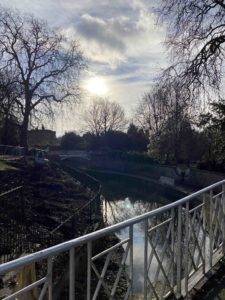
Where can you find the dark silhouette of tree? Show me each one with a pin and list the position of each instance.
(70, 141)
(47, 64)
(212, 125)
(116, 140)
(196, 36)
(180, 143)
(91, 141)
(139, 139)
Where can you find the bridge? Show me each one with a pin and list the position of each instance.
(182, 243)
(65, 154)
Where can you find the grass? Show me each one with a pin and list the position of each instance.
(5, 167)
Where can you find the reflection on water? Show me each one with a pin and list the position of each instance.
(126, 197)
(122, 209)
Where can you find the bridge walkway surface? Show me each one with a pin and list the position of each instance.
(183, 241)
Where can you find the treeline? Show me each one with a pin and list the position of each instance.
(133, 139)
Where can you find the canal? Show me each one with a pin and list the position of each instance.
(125, 197)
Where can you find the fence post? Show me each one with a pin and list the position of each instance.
(50, 268)
(22, 204)
(72, 274)
(90, 213)
(72, 227)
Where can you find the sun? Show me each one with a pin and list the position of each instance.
(97, 86)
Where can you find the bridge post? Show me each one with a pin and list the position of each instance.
(204, 220)
(146, 261)
(173, 246)
(210, 229)
(186, 248)
(223, 218)
(131, 233)
(179, 247)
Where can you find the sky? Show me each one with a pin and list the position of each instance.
(120, 39)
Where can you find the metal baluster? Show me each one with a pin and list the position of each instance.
(210, 229)
(204, 232)
(186, 262)
(131, 237)
(223, 218)
(72, 274)
(146, 260)
(89, 262)
(173, 244)
(90, 213)
(49, 270)
(179, 247)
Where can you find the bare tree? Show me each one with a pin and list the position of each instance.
(150, 112)
(165, 112)
(196, 35)
(103, 115)
(47, 64)
(9, 92)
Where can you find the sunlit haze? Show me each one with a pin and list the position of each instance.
(96, 86)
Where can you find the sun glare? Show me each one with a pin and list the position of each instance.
(97, 86)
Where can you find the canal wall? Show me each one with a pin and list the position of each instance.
(190, 176)
(193, 177)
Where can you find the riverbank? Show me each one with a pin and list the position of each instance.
(50, 197)
(47, 197)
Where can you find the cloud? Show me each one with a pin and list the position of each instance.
(100, 31)
(110, 31)
(116, 39)
(119, 38)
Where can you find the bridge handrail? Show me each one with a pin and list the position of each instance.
(34, 257)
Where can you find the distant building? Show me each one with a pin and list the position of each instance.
(41, 137)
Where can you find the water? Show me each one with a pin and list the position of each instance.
(126, 197)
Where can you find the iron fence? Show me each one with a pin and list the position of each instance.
(89, 213)
(6, 150)
(182, 242)
(12, 223)
(86, 179)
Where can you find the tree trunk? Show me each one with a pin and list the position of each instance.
(24, 131)
(5, 131)
(26, 116)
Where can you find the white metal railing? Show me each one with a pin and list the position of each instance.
(182, 242)
(6, 150)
